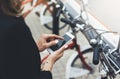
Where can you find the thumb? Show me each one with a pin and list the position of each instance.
(63, 48)
(51, 43)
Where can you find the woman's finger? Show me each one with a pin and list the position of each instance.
(53, 36)
(51, 43)
(62, 49)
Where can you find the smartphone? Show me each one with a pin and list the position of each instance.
(67, 38)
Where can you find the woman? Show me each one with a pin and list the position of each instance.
(19, 54)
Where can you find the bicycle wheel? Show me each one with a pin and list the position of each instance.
(75, 69)
(47, 19)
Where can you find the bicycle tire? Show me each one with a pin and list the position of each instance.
(76, 70)
(46, 12)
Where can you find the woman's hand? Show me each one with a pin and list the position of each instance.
(52, 58)
(47, 40)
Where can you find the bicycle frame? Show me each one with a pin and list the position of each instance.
(77, 48)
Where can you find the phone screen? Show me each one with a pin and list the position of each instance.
(61, 42)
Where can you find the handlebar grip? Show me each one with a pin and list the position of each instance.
(96, 55)
(66, 21)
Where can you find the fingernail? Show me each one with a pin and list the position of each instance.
(66, 46)
(56, 41)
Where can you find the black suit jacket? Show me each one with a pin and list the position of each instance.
(19, 55)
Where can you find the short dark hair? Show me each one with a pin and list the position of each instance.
(11, 7)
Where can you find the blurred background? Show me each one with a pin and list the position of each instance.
(107, 11)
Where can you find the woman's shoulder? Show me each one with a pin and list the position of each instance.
(7, 21)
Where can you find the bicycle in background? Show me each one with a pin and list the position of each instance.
(106, 51)
(33, 5)
(48, 12)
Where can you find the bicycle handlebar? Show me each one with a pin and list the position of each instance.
(99, 45)
(91, 36)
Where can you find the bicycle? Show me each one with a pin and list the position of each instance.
(104, 50)
(48, 13)
(33, 5)
(49, 17)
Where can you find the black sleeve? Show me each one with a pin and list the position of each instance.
(45, 75)
(19, 55)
